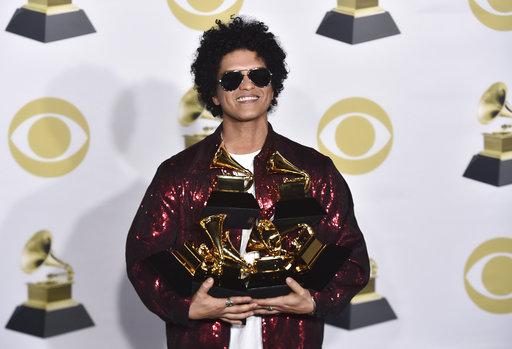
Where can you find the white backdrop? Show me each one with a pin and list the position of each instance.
(421, 218)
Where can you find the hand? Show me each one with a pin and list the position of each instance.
(296, 302)
(204, 306)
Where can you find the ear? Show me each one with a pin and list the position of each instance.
(215, 100)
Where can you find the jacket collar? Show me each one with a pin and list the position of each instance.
(212, 143)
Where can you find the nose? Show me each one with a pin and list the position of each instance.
(246, 83)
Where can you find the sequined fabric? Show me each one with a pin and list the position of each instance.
(169, 214)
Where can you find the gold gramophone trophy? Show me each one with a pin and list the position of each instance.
(290, 249)
(293, 206)
(188, 266)
(230, 194)
(356, 21)
(493, 165)
(189, 111)
(50, 20)
(308, 261)
(365, 309)
(221, 261)
(50, 310)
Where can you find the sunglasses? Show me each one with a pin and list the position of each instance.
(260, 77)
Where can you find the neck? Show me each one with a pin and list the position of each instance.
(244, 137)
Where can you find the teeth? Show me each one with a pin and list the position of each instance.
(248, 98)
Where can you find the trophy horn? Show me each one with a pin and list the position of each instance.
(212, 225)
(278, 164)
(223, 248)
(224, 160)
(265, 237)
(37, 252)
(190, 108)
(494, 103)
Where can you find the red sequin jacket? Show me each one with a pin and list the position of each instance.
(169, 214)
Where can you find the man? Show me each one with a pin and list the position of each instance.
(239, 72)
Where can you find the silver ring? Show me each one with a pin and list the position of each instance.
(229, 302)
(270, 308)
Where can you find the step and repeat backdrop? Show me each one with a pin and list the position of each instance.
(94, 97)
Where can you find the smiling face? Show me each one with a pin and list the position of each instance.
(248, 102)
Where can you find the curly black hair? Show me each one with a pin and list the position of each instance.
(239, 33)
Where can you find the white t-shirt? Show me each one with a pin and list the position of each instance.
(247, 336)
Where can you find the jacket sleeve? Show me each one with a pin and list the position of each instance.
(340, 227)
(154, 229)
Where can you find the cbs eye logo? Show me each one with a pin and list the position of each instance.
(495, 14)
(201, 14)
(49, 137)
(488, 276)
(356, 133)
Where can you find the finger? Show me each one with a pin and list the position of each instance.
(294, 285)
(237, 309)
(238, 316)
(266, 311)
(233, 322)
(205, 286)
(241, 299)
(265, 302)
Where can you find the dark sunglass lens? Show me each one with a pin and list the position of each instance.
(260, 77)
(231, 80)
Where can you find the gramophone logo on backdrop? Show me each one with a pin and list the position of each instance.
(201, 14)
(49, 137)
(488, 276)
(356, 21)
(49, 310)
(493, 165)
(356, 133)
(495, 14)
(191, 110)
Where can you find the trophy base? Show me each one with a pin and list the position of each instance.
(292, 212)
(354, 30)
(165, 264)
(268, 291)
(269, 285)
(256, 292)
(46, 28)
(361, 314)
(325, 267)
(489, 170)
(223, 291)
(44, 323)
(241, 208)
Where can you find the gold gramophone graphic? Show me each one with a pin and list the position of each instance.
(230, 194)
(293, 206)
(50, 20)
(366, 308)
(356, 21)
(493, 165)
(50, 310)
(189, 111)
